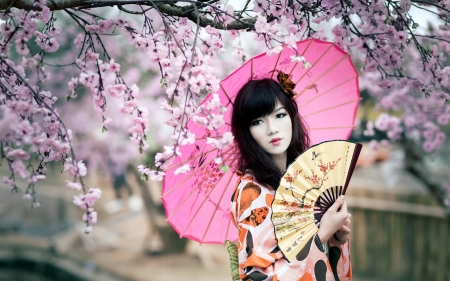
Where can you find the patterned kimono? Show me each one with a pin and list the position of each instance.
(260, 259)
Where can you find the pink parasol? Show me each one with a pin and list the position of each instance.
(197, 203)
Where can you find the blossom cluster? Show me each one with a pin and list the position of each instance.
(402, 68)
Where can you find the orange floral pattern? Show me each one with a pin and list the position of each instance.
(260, 259)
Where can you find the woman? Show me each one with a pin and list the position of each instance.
(270, 134)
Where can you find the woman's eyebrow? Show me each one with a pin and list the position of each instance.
(279, 109)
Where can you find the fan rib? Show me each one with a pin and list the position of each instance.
(324, 53)
(327, 91)
(318, 78)
(356, 152)
(328, 199)
(325, 109)
(251, 69)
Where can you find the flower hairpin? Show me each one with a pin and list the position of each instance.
(286, 84)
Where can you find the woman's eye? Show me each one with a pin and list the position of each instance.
(256, 122)
(281, 115)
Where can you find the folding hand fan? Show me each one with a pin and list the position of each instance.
(311, 184)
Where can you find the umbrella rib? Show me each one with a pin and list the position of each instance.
(183, 181)
(337, 127)
(328, 70)
(251, 69)
(223, 89)
(217, 205)
(318, 96)
(329, 48)
(184, 201)
(304, 51)
(325, 109)
(278, 59)
(179, 164)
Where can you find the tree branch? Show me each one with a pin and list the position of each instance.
(414, 164)
(169, 10)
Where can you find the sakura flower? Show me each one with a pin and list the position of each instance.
(79, 41)
(18, 154)
(297, 59)
(81, 64)
(73, 185)
(91, 56)
(171, 150)
(90, 216)
(369, 129)
(261, 25)
(224, 142)
(216, 121)
(92, 195)
(51, 45)
(156, 175)
(213, 103)
(79, 200)
(274, 51)
(27, 196)
(45, 14)
(54, 31)
(105, 25)
(183, 169)
(117, 90)
(88, 229)
(113, 66)
(197, 83)
(8, 181)
(382, 122)
(291, 41)
(444, 119)
(107, 122)
(187, 138)
(36, 178)
(19, 169)
(35, 205)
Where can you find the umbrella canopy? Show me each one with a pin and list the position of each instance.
(197, 203)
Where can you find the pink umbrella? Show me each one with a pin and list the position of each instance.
(197, 203)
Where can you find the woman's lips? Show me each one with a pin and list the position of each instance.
(275, 141)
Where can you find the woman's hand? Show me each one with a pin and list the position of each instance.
(343, 234)
(334, 220)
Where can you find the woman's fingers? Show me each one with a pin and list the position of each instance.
(337, 204)
(345, 229)
(343, 206)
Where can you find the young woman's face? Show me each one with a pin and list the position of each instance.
(274, 131)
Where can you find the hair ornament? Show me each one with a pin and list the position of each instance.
(286, 84)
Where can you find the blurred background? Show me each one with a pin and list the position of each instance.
(400, 226)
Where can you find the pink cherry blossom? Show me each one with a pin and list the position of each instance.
(8, 181)
(74, 185)
(183, 169)
(156, 175)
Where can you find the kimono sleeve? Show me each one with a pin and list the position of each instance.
(257, 249)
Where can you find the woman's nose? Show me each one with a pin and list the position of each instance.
(272, 127)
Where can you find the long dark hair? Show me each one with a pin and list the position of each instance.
(257, 98)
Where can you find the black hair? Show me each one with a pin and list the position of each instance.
(257, 98)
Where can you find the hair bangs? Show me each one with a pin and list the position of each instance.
(261, 102)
